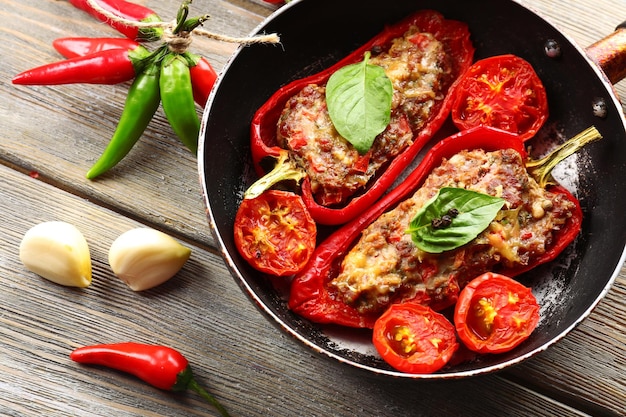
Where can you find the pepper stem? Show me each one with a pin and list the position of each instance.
(191, 24)
(541, 169)
(285, 169)
(181, 16)
(193, 385)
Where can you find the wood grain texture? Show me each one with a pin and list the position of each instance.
(245, 361)
(249, 364)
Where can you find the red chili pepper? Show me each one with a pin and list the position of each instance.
(453, 34)
(310, 296)
(80, 46)
(105, 67)
(202, 74)
(159, 366)
(126, 10)
(203, 78)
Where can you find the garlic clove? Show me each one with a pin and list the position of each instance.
(144, 258)
(58, 252)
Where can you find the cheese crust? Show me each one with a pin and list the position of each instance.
(385, 266)
(418, 68)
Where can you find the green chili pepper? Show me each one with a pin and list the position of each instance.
(177, 98)
(141, 103)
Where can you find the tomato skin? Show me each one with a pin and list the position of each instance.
(503, 92)
(413, 338)
(495, 313)
(275, 233)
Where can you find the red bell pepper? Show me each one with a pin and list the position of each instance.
(453, 34)
(310, 296)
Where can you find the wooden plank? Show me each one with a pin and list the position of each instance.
(587, 361)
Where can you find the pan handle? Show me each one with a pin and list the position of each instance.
(610, 54)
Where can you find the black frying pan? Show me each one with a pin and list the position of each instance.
(315, 34)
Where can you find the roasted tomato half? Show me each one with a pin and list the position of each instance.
(504, 92)
(275, 233)
(415, 339)
(495, 313)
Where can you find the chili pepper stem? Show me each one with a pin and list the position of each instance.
(541, 169)
(193, 385)
(285, 169)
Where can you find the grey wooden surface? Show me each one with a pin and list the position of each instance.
(254, 369)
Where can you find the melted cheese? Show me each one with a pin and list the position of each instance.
(385, 266)
(418, 72)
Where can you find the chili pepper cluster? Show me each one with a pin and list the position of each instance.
(168, 75)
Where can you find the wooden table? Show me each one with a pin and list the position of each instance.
(52, 135)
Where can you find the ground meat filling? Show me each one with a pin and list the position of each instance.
(385, 266)
(419, 71)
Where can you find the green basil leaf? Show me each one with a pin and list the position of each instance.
(475, 212)
(358, 97)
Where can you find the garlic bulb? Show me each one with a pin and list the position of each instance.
(58, 252)
(144, 258)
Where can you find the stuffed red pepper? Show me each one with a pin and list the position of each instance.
(422, 56)
(376, 261)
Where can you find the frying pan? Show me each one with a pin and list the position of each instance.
(315, 34)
